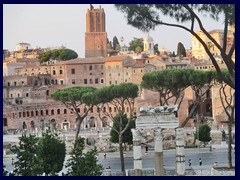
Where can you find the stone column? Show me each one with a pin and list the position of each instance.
(137, 153)
(159, 171)
(180, 155)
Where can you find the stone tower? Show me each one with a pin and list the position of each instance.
(148, 45)
(95, 36)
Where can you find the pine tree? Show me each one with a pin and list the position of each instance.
(26, 163)
(51, 153)
(181, 50)
(83, 164)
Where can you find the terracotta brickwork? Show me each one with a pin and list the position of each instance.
(95, 36)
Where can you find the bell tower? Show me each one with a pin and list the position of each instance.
(95, 36)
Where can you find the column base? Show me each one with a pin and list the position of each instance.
(137, 172)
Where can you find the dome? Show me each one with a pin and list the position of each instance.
(148, 38)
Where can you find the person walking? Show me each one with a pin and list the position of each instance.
(200, 161)
(189, 162)
(105, 155)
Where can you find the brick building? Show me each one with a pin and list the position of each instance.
(27, 90)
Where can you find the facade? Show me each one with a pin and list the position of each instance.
(198, 50)
(28, 85)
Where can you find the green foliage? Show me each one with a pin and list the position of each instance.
(36, 156)
(225, 73)
(168, 79)
(51, 153)
(127, 135)
(123, 90)
(138, 49)
(74, 97)
(83, 164)
(204, 133)
(109, 45)
(115, 42)
(26, 163)
(136, 43)
(59, 54)
(181, 51)
(5, 172)
(175, 80)
(156, 51)
(73, 94)
(199, 78)
(147, 16)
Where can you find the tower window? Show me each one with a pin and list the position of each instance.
(73, 71)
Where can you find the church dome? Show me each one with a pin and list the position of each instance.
(148, 38)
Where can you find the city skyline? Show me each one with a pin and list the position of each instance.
(47, 26)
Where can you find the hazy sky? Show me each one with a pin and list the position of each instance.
(48, 25)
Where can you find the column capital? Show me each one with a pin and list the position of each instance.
(158, 133)
(136, 134)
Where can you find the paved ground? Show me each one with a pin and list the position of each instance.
(219, 154)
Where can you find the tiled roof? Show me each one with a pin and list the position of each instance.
(84, 60)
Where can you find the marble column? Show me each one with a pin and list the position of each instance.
(180, 154)
(159, 170)
(137, 152)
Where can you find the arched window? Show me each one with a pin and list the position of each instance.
(47, 92)
(52, 112)
(65, 111)
(90, 67)
(36, 113)
(41, 112)
(104, 122)
(58, 111)
(54, 72)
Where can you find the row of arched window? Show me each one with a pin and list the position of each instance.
(58, 112)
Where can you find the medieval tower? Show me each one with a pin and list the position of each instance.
(95, 36)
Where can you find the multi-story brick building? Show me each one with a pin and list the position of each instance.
(28, 88)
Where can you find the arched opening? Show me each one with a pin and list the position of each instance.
(53, 124)
(104, 122)
(32, 124)
(208, 109)
(91, 122)
(65, 125)
(24, 126)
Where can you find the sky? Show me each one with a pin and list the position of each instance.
(51, 25)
